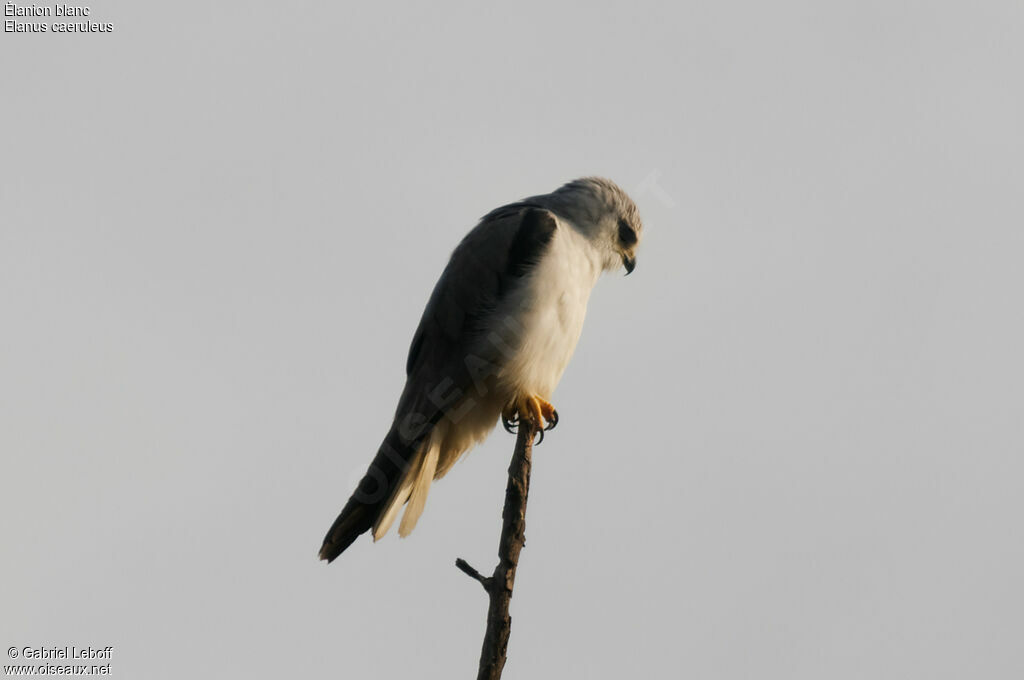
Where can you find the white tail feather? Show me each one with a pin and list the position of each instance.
(413, 488)
(446, 461)
(421, 485)
(398, 497)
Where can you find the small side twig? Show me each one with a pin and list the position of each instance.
(485, 581)
(513, 537)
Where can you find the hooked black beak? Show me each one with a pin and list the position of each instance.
(629, 263)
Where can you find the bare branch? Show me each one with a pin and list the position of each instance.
(513, 537)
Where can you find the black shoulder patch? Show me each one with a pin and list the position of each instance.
(533, 236)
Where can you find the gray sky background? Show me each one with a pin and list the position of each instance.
(790, 444)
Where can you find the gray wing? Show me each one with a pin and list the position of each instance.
(489, 264)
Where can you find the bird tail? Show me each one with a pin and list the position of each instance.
(414, 487)
(399, 472)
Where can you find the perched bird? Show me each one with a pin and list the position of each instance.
(493, 342)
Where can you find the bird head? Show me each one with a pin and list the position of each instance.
(606, 215)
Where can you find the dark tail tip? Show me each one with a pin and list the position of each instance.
(353, 521)
(359, 514)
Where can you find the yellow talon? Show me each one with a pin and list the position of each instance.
(533, 408)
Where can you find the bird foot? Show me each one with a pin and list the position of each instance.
(531, 407)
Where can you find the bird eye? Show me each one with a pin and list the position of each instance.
(626, 233)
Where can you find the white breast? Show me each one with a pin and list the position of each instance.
(550, 313)
(532, 339)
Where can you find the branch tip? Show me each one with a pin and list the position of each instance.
(466, 568)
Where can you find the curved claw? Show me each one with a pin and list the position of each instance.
(510, 424)
(534, 409)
